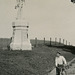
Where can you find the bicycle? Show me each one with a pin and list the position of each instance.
(62, 70)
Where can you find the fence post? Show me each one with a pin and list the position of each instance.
(63, 41)
(35, 42)
(55, 40)
(59, 40)
(66, 42)
(50, 41)
(44, 41)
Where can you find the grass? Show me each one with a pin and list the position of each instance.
(5, 42)
(35, 62)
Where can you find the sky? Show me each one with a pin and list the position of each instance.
(46, 18)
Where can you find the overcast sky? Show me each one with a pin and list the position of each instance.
(47, 18)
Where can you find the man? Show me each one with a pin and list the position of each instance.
(60, 62)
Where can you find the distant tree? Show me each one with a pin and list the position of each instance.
(73, 1)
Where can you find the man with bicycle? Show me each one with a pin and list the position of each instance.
(60, 63)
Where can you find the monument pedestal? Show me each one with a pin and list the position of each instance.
(20, 40)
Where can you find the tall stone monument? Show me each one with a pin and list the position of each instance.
(20, 39)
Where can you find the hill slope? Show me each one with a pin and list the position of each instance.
(35, 62)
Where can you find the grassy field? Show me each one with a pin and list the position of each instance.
(35, 62)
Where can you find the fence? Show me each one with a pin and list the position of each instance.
(60, 42)
(5, 42)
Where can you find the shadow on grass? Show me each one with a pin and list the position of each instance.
(65, 48)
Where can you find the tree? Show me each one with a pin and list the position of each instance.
(73, 1)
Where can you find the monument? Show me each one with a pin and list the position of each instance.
(20, 39)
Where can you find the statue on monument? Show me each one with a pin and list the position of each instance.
(19, 6)
(20, 39)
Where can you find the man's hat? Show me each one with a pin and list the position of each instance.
(59, 52)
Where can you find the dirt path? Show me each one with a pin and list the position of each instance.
(71, 70)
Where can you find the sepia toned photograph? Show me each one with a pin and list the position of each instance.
(37, 37)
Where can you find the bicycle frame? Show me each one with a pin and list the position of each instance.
(63, 72)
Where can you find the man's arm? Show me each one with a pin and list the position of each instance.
(64, 60)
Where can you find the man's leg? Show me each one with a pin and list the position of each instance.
(57, 71)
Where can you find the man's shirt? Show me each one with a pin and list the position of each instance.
(60, 60)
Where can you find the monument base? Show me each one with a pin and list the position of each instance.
(19, 46)
(20, 39)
